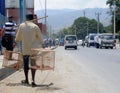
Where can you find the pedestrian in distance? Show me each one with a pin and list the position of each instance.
(8, 38)
(29, 34)
(83, 42)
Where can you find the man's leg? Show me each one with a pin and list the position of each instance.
(33, 71)
(26, 68)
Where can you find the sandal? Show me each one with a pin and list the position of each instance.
(25, 82)
(33, 84)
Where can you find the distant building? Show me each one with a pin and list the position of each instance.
(12, 8)
(43, 28)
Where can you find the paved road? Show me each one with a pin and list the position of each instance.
(103, 65)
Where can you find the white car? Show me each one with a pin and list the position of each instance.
(70, 41)
(79, 42)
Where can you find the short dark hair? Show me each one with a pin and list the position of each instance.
(10, 17)
(29, 17)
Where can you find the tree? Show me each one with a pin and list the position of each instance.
(117, 10)
(111, 3)
(108, 29)
(83, 26)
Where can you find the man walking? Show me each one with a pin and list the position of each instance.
(9, 32)
(30, 34)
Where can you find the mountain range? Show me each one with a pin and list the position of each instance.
(58, 19)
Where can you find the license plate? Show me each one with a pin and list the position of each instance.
(70, 41)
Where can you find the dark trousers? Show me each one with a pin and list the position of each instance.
(10, 40)
(26, 59)
(26, 62)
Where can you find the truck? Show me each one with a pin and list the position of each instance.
(105, 40)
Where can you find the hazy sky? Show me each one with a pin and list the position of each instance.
(70, 4)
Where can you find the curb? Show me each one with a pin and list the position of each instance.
(5, 72)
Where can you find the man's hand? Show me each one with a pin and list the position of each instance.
(14, 44)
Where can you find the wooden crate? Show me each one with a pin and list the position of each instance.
(43, 59)
(15, 61)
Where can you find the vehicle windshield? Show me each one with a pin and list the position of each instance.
(92, 37)
(71, 38)
(108, 37)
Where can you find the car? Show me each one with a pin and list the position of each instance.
(61, 43)
(70, 41)
(79, 42)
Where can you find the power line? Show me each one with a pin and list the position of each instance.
(41, 6)
(87, 27)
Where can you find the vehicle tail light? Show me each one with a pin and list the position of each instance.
(64, 42)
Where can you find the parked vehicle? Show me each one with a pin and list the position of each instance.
(61, 43)
(70, 41)
(105, 40)
(89, 40)
(79, 42)
(57, 41)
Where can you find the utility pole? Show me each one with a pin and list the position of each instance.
(98, 21)
(84, 13)
(114, 7)
(22, 10)
(22, 4)
(45, 12)
(75, 29)
(46, 17)
(50, 31)
(87, 27)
